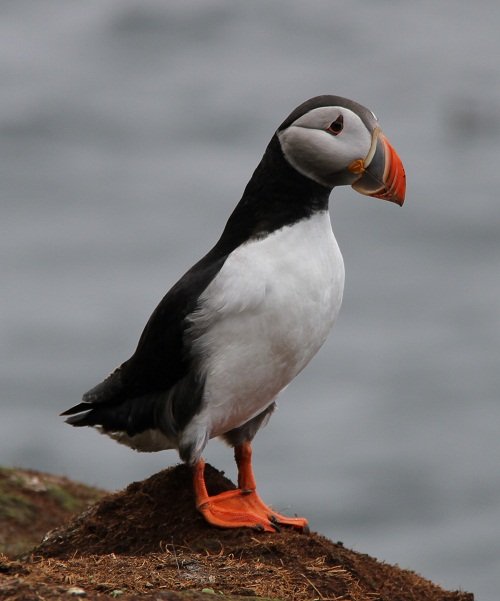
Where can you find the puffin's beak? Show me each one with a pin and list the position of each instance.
(382, 174)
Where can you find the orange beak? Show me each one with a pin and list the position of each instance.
(382, 174)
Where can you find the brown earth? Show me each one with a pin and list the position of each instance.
(32, 503)
(149, 542)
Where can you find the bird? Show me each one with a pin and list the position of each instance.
(242, 323)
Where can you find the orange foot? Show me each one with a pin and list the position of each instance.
(241, 507)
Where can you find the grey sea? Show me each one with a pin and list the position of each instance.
(128, 129)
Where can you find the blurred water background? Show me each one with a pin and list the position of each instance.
(128, 129)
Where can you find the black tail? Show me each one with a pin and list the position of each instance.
(131, 415)
(100, 404)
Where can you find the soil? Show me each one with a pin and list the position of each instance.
(149, 542)
(32, 503)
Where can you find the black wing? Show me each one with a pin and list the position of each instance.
(132, 398)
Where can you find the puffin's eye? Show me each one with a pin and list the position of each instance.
(337, 126)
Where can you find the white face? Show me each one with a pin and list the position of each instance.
(322, 144)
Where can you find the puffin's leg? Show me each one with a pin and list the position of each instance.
(246, 483)
(241, 507)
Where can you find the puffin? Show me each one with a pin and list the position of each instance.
(241, 323)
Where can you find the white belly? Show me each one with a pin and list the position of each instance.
(263, 318)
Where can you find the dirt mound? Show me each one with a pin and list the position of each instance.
(144, 518)
(151, 537)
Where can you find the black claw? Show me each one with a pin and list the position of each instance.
(306, 529)
(275, 523)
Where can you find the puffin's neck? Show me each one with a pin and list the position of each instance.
(276, 195)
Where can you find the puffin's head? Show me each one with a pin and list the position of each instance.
(335, 142)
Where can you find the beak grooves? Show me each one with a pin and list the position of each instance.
(381, 173)
(394, 176)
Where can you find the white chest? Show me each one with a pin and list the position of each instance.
(264, 316)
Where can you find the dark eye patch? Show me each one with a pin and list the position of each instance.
(336, 126)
